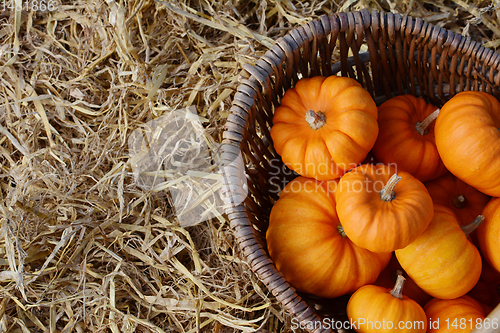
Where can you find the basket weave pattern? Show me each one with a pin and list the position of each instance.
(388, 54)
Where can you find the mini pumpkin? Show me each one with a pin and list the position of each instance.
(324, 126)
(406, 137)
(468, 139)
(380, 210)
(442, 261)
(307, 244)
(378, 309)
(488, 233)
(464, 200)
(462, 314)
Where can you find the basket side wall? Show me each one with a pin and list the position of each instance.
(387, 54)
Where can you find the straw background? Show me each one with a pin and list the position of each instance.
(83, 248)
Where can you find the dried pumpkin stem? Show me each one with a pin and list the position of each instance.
(467, 229)
(387, 193)
(459, 201)
(397, 291)
(422, 126)
(341, 231)
(316, 120)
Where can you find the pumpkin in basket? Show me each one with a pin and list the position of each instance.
(464, 200)
(382, 210)
(462, 314)
(442, 261)
(324, 126)
(468, 139)
(378, 309)
(307, 244)
(488, 233)
(406, 137)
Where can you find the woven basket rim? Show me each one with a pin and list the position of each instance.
(255, 80)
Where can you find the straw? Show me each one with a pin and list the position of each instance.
(83, 246)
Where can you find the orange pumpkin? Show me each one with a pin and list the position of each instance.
(468, 139)
(488, 233)
(464, 200)
(324, 126)
(380, 210)
(461, 314)
(378, 309)
(307, 244)
(442, 261)
(388, 277)
(406, 137)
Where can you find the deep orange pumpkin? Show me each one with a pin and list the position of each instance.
(442, 261)
(488, 233)
(385, 310)
(382, 211)
(468, 139)
(406, 137)
(308, 246)
(324, 126)
(461, 314)
(464, 200)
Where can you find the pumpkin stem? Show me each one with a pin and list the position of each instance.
(459, 201)
(467, 229)
(315, 119)
(422, 126)
(387, 193)
(341, 231)
(397, 291)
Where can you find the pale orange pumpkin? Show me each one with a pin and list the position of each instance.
(380, 210)
(324, 126)
(467, 134)
(406, 137)
(307, 244)
(378, 309)
(442, 261)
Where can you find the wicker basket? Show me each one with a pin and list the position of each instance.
(402, 55)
